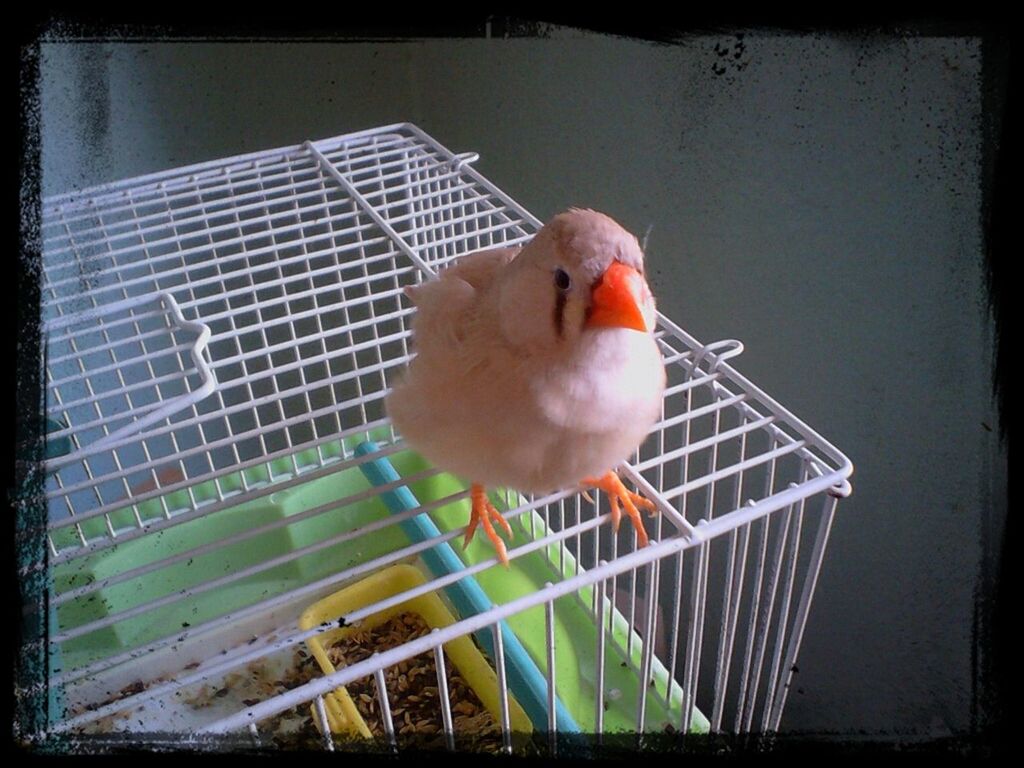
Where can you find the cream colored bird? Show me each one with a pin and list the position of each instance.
(536, 368)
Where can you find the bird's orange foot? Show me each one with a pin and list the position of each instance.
(483, 513)
(617, 492)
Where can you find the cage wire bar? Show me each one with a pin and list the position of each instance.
(220, 337)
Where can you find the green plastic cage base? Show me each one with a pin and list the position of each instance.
(575, 632)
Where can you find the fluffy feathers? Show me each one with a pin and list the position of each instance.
(510, 387)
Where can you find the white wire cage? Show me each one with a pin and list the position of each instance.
(220, 339)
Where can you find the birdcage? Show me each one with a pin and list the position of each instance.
(229, 505)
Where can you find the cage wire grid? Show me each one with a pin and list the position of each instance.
(223, 334)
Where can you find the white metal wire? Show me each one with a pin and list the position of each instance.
(223, 334)
(116, 369)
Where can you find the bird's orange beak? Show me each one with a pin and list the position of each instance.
(616, 299)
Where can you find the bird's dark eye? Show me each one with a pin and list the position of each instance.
(562, 280)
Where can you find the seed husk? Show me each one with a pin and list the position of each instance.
(412, 690)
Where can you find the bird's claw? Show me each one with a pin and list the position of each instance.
(483, 512)
(619, 493)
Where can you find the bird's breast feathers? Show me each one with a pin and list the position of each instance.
(617, 377)
(532, 424)
(511, 385)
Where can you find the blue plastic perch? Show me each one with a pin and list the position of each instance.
(528, 685)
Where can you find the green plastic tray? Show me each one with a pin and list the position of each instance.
(575, 632)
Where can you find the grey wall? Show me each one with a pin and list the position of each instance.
(817, 198)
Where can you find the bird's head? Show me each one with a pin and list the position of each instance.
(582, 273)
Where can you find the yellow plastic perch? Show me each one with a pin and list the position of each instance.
(342, 714)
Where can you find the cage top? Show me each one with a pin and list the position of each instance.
(234, 321)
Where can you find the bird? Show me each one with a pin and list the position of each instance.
(535, 368)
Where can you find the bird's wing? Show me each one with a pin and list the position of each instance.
(443, 317)
(448, 327)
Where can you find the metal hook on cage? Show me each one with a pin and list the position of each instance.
(736, 349)
(840, 490)
(464, 158)
(198, 351)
